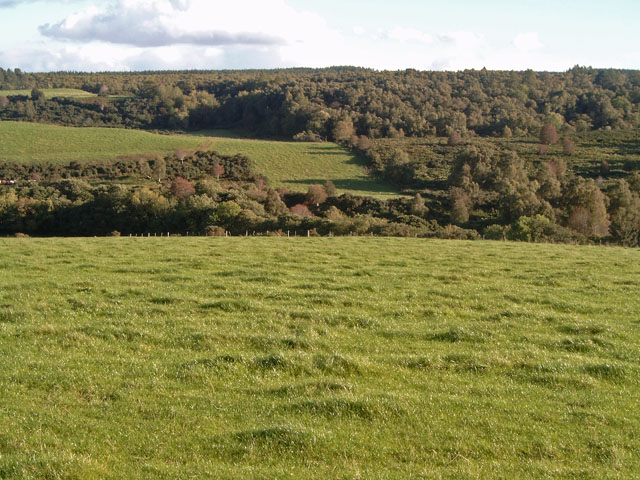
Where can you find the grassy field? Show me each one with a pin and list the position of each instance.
(317, 358)
(297, 165)
(51, 93)
(35, 142)
(291, 164)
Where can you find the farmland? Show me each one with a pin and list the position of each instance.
(291, 164)
(296, 165)
(317, 358)
(51, 93)
(33, 143)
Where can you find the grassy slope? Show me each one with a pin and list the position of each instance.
(317, 358)
(290, 164)
(297, 165)
(51, 93)
(33, 142)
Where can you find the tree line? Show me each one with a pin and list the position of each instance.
(336, 103)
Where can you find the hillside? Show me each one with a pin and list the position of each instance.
(51, 93)
(317, 358)
(294, 165)
(35, 142)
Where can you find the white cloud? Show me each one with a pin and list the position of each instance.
(154, 23)
(527, 42)
(407, 34)
(207, 34)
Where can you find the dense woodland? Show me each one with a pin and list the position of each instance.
(471, 185)
(326, 102)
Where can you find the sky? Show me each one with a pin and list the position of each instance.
(125, 35)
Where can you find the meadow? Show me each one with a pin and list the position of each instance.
(293, 165)
(51, 93)
(321, 358)
(296, 165)
(35, 142)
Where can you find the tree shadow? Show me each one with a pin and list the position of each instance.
(353, 184)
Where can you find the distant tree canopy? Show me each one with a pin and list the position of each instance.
(340, 103)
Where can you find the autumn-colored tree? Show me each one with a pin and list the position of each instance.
(548, 134)
(568, 146)
(460, 205)
(587, 208)
(364, 143)
(260, 184)
(301, 210)
(506, 132)
(182, 189)
(4, 101)
(454, 139)
(316, 195)
(215, 231)
(217, 170)
(542, 149)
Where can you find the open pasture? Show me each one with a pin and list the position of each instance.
(35, 142)
(296, 165)
(51, 93)
(317, 358)
(293, 165)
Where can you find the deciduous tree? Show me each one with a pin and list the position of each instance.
(548, 134)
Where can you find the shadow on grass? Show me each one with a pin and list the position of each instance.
(353, 184)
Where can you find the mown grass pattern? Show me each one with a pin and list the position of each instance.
(362, 358)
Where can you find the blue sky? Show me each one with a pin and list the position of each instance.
(452, 35)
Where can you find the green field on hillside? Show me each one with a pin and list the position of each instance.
(332, 358)
(51, 93)
(291, 164)
(296, 165)
(35, 142)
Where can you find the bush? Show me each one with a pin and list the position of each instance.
(215, 231)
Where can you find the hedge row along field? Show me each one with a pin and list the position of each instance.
(317, 358)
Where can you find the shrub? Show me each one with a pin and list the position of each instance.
(215, 231)
(301, 210)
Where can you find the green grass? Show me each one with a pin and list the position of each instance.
(290, 164)
(34, 142)
(296, 165)
(51, 93)
(317, 358)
